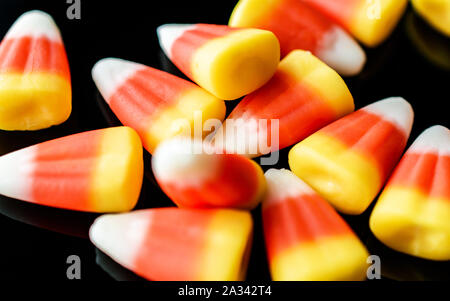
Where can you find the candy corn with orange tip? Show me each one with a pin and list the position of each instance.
(303, 96)
(194, 175)
(227, 62)
(370, 21)
(413, 212)
(171, 244)
(305, 237)
(348, 161)
(35, 88)
(299, 26)
(96, 171)
(435, 12)
(156, 104)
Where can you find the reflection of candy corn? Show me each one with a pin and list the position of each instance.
(413, 212)
(178, 244)
(370, 21)
(303, 96)
(227, 62)
(193, 175)
(348, 161)
(156, 104)
(35, 89)
(435, 12)
(298, 26)
(96, 171)
(305, 238)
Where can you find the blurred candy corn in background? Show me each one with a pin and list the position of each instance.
(96, 171)
(156, 104)
(35, 87)
(348, 161)
(227, 62)
(299, 26)
(195, 175)
(178, 244)
(306, 239)
(370, 21)
(413, 212)
(303, 96)
(435, 12)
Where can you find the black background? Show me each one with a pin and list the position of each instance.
(36, 241)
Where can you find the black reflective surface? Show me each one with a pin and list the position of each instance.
(413, 63)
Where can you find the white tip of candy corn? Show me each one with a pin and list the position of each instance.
(435, 139)
(169, 33)
(283, 184)
(395, 110)
(120, 236)
(182, 160)
(110, 73)
(15, 174)
(342, 53)
(35, 24)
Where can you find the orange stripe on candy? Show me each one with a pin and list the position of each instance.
(340, 11)
(298, 220)
(29, 54)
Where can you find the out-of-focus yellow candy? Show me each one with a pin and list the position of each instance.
(435, 12)
(413, 212)
(35, 88)
(227, 62)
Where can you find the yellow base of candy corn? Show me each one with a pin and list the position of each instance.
(408, 221)
(119, 172)
(346, 179)
(228, 246)
(33, 101)
(194, 105)
(328, 259)
(376, 20)
(436, 12)
(237, 64)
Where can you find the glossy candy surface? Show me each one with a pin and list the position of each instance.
(348, 161)
(413, 212)
(35, 87)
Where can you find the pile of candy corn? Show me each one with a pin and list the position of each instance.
(341, 159)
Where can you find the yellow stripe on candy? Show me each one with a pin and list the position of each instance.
(340, 258)
(251, 12)
(376, 19)
(228, 245)
(117, 178)
(232, 66)
(33, 101)
(409, 221)
(306, 68)
(178, 119)
(347, 179)
(436, 12)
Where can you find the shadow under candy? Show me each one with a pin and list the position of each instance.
(115, 270)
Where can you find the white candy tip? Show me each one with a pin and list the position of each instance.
(283, 184)
(395, 110)
(342, 53)
(35, 23)
(435, 139)
(110, 73)
(16, 170)
(169, 33)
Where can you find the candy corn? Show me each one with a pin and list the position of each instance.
(227, 62)
(348, 161)
(370, 21)
(435, 12)
(156, 104)
(96, 171)
(305, 238)
(194, 175)
(413, 212)
(178, 244)
(298, 26)
(35, 88)
(302, 97)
